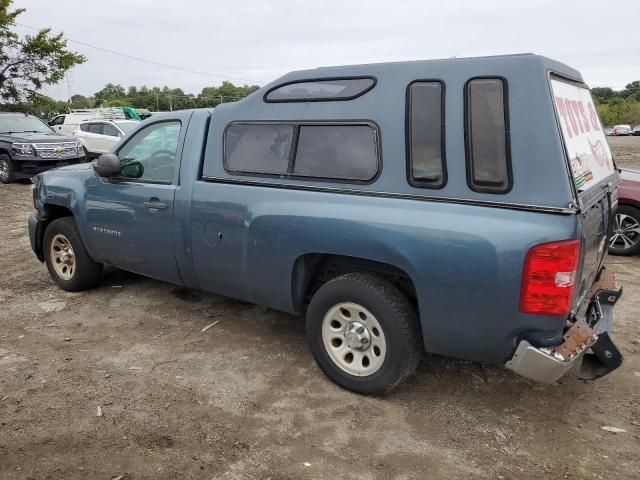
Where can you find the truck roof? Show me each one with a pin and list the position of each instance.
(437, 66)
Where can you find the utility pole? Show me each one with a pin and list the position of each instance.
(157, 103)
(221, 99)
(68, 86)
(170, 104)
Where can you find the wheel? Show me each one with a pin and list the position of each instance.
(625, 239)
(363, 333)
(67, 260)
(6, 169)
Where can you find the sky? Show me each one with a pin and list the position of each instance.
(256, 41)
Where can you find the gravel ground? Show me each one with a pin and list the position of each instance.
(244, 399)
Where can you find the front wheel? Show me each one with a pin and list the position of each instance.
(625, 239)
(6, 169)
(363, 333)
(67, 260)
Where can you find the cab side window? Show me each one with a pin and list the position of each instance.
(59, 120)
(154, 149)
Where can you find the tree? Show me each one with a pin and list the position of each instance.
(29, 63)
(110, 92)
(80, 101)
(227, 92)
(602, 93)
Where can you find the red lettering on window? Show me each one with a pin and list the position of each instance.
(574, 115)
(593, 116)
(583, 117)
(562, 109)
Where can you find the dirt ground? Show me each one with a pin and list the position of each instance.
(244, 399)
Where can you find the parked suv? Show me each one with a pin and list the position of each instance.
(28, 146)
(455, 206)
(99, 136)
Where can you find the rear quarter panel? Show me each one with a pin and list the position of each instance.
(465, 261)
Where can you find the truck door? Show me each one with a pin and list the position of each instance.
(131, 217)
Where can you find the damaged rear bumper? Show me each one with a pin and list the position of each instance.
(585, 343)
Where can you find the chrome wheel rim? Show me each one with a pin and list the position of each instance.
(62, 257)
(626, 232)
(4, 170)
(354, 339)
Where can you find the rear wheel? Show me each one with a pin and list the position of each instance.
(6, 169)
(625, 239)
(67, 260)
(363, 333)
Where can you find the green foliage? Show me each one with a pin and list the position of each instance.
(110, 92)
(165, 98)
(29, 63)
(618, 106)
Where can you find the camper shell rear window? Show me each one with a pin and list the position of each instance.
(320, 90)
(585, 143)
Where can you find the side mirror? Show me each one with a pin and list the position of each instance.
(132, 170)
(108, 165)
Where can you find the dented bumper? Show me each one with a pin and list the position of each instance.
(585, 343)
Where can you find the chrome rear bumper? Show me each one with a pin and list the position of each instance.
(586, 342)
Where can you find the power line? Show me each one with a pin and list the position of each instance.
(151, 62)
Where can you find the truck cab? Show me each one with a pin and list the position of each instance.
(459, 207)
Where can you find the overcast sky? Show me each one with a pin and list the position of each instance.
(255, 41)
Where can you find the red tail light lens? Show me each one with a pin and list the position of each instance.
(549, 278)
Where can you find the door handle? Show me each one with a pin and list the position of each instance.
(155, 204)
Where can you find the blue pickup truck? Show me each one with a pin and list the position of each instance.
(459, 207)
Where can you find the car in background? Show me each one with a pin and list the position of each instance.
(625, 235)
(68, 122)
(99, 136)
(608, 131)
(636, 131)
(621, 130)
(29, 146)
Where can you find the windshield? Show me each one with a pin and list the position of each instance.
(126, 126)
(22, 124)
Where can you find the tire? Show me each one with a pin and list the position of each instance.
(626, 231)
(7, 174)
(390, 326)
(72, 270)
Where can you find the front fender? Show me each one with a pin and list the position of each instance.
(61, 192)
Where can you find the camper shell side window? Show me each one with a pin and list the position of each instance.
(320, 90)
(487, 141)
(425, 134)
(330, 151)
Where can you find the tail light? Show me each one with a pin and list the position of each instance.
(549, 278)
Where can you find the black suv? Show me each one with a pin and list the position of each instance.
(29, 146)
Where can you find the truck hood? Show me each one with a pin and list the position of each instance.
(62, 175)
(35, 138)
